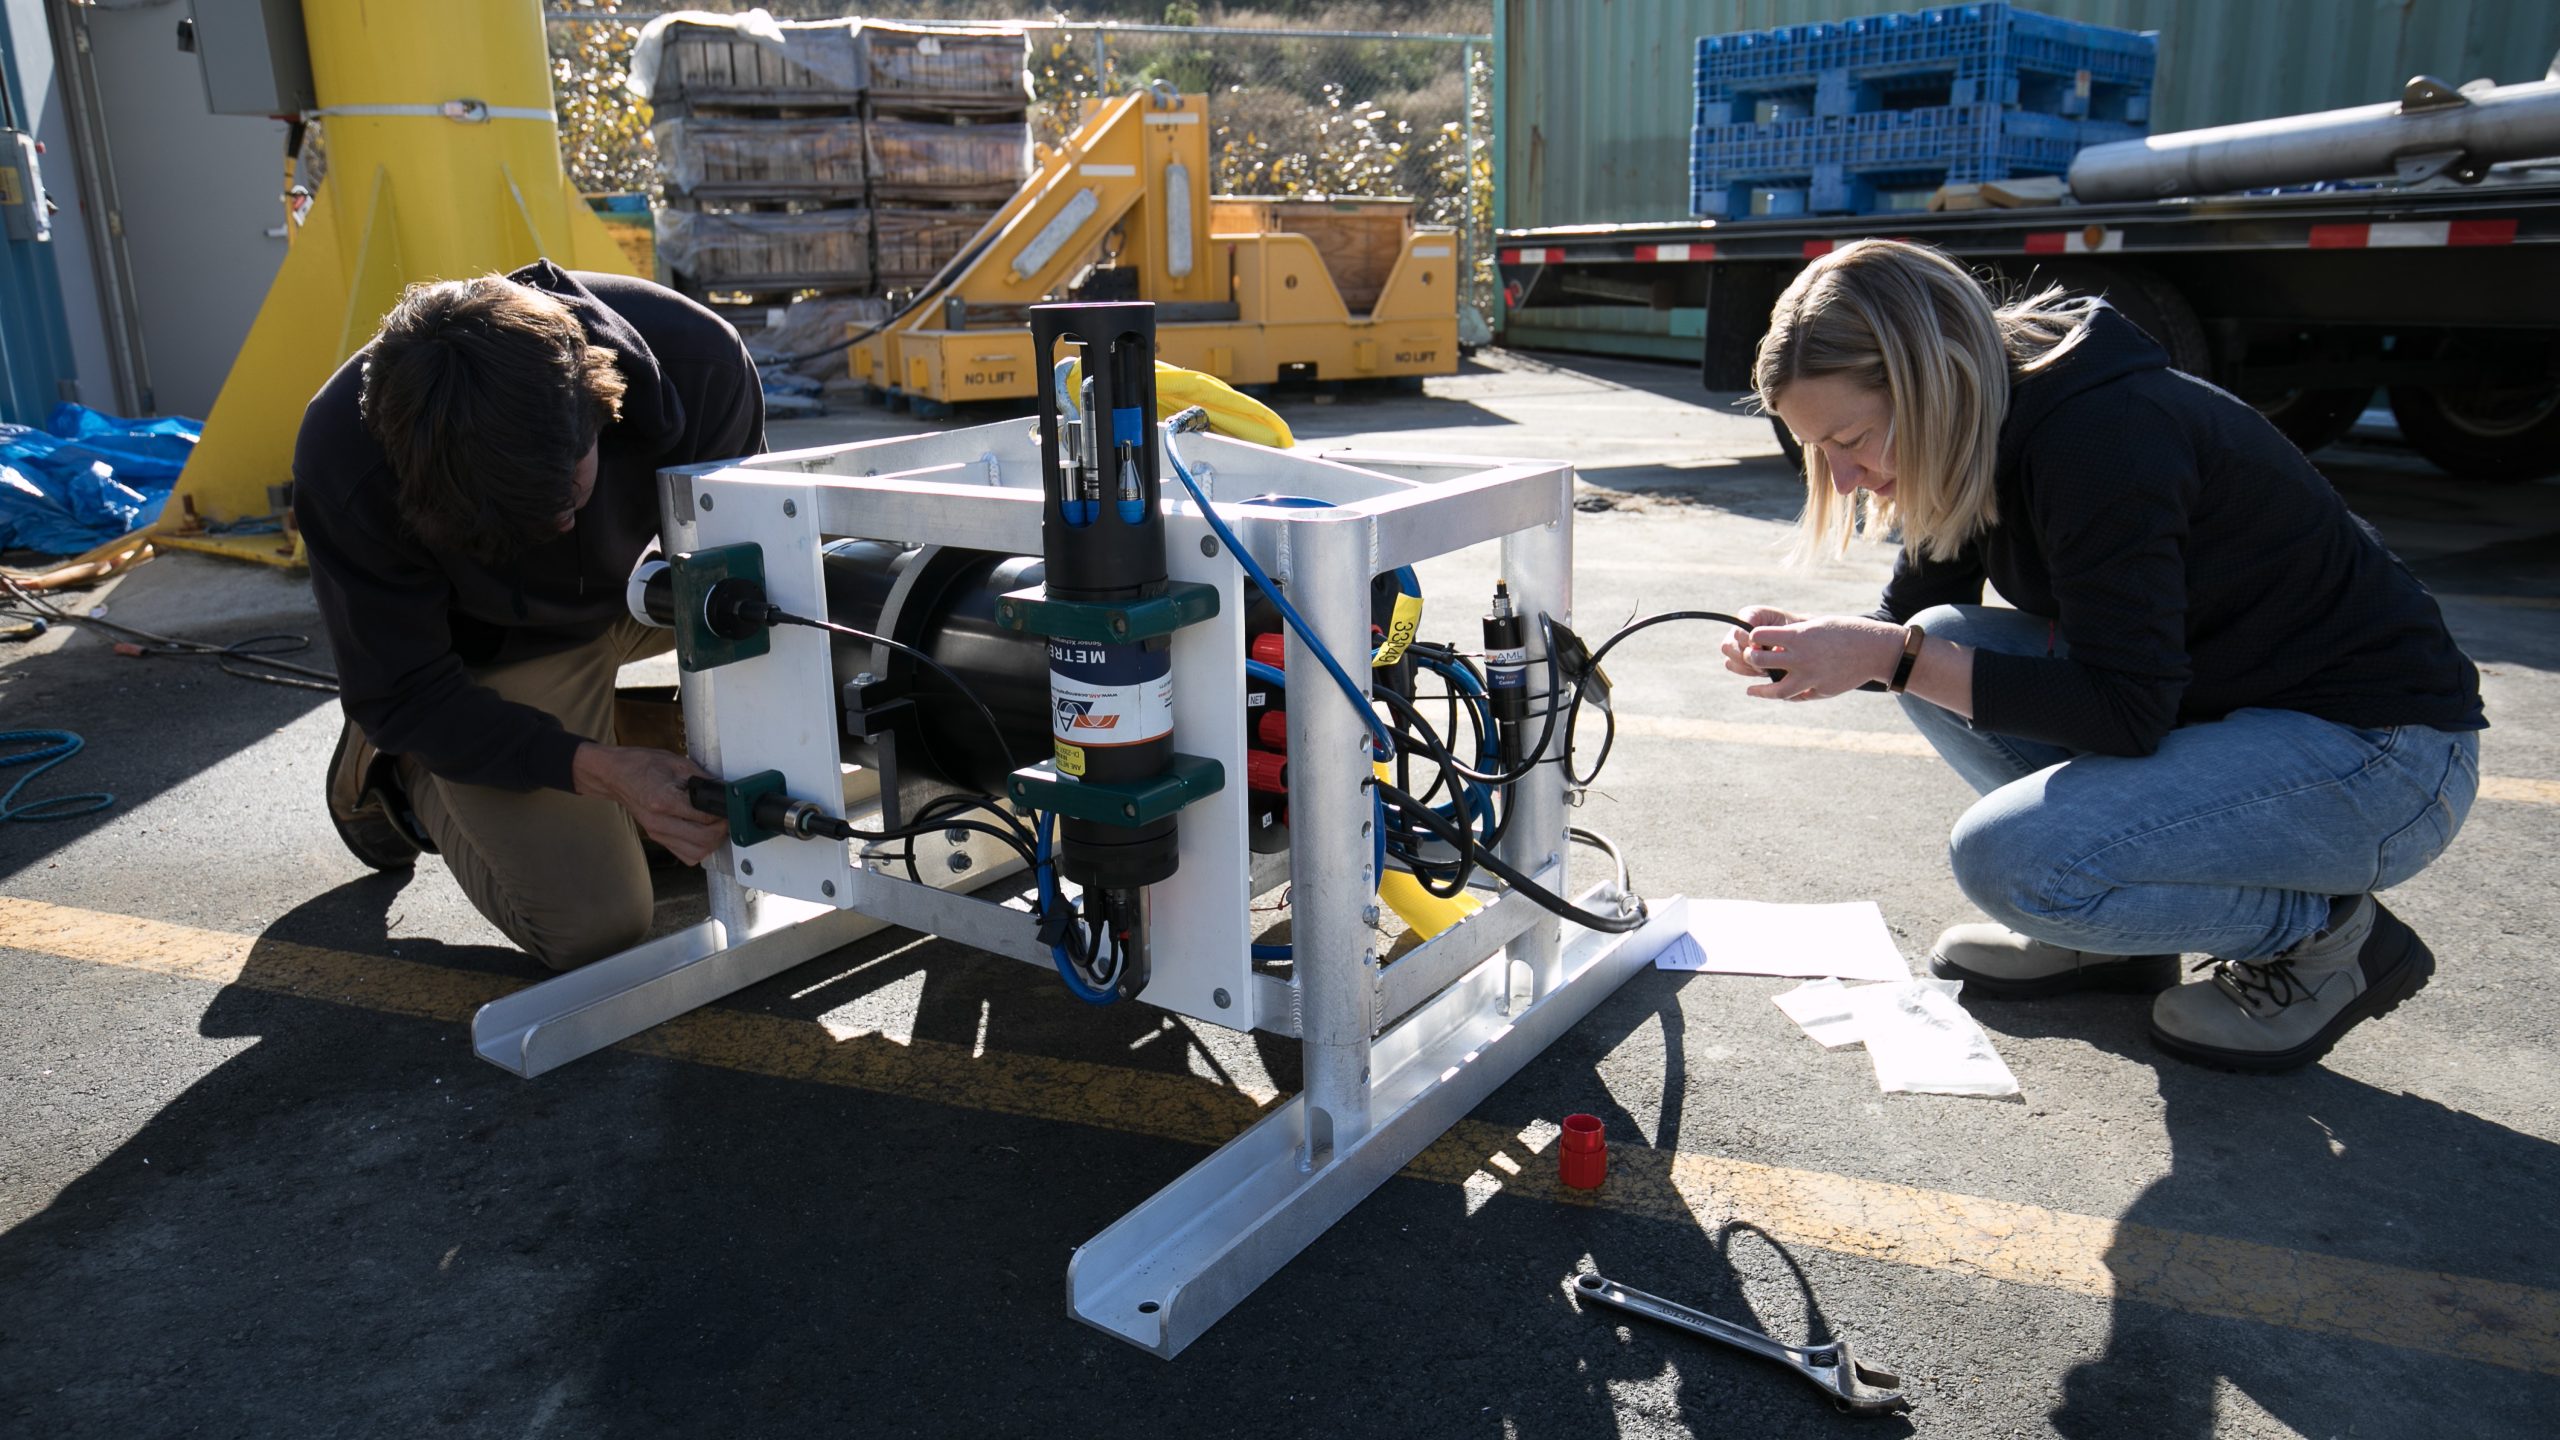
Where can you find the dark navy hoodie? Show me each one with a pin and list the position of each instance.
(408, 624)
(2193, 562)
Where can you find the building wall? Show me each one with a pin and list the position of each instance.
(1593, 96)
(201, 196)
(39, 366)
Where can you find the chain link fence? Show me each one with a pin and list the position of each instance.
(1295, 113)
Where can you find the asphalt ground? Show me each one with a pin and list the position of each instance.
(253, 1182)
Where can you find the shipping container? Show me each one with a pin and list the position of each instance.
(1594, 98)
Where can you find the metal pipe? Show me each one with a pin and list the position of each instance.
(2432, 129)
(1538, 565)
(733, 906)
(1331, 845)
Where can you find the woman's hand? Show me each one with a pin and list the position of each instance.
(1737, 643)
(1826, 656)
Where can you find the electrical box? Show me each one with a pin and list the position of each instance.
(255, 59)
(24, 212)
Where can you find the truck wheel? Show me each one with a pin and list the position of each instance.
(2155, 307)
(2315, 419)
(2500, 435)
(1787, 445)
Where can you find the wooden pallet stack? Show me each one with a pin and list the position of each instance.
(948, 114)
(829, 158)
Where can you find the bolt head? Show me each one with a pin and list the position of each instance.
(790, 507)
(705, 502)
(1209, 546)
(959, 862)
(827, 888)
(1369, 916)
(1220, 998)
(746, 867)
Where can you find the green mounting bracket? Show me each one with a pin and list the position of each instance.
(1126, 803)
(694, 573)
(742, 798)
(1184, 602)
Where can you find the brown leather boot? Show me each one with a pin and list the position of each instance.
(368, 806)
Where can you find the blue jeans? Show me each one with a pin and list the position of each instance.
(2228, 840)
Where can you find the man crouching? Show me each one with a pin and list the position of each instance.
(475, 487)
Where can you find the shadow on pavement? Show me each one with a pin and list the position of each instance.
(127, 711)
(2322, 1163)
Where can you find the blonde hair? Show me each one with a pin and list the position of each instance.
(1905, 319)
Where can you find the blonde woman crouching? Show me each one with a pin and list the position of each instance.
(2221, 714)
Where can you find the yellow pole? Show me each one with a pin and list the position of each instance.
(444, 161)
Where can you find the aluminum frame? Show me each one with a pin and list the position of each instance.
(1393, 1055)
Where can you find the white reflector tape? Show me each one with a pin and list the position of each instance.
(2405, 234)
(1179, 117)
(1431, 252)
(1044, 246)
(1108, 172)
(1177, 219)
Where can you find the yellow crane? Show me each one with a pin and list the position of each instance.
(1237, 297)
(444, 161)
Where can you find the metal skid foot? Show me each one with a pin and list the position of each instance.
(545, 1026)
(1168, 1270)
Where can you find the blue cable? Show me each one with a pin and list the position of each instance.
(1358, 697)
(1049, 901)
(52, 748)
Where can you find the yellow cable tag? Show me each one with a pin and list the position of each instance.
(1401, 628)
(1070, 759)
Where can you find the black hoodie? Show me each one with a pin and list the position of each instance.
(2193, 562)
(408, 624)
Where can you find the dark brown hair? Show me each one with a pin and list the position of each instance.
(484, 394)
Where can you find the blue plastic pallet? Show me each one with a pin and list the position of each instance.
(1986, 53)
(1846, 161)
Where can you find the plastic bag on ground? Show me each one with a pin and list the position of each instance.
(87, 477)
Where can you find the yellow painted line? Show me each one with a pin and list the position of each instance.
(1909, 746)
(2531, 792)
(2462, 1317)
(1788, 737)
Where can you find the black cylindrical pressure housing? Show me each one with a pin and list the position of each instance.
(1102, 538)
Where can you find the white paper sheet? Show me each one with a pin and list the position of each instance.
(1844, 941)
(1919, 1039)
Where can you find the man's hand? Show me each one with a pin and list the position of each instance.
(650, 784)
(1737, 643)
(1826, 656)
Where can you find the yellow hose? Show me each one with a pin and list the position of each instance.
(1231, 411)
(1427, 914)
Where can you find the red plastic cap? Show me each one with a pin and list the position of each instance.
(1582, 1158)
(1271, 649)
(1273, 730)
(1266, 772)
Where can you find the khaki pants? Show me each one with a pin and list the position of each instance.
(562, 875)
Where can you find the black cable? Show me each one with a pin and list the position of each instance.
(924, 293)
(1428, 741)
(774, 616)
(258, 650)
(1539, 895)
(1609, 735)
(1015, 837)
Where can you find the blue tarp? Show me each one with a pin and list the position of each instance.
(87, 477)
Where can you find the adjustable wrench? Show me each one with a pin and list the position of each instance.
(1854, 1386)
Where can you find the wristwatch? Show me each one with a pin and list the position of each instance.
(1912, 635)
